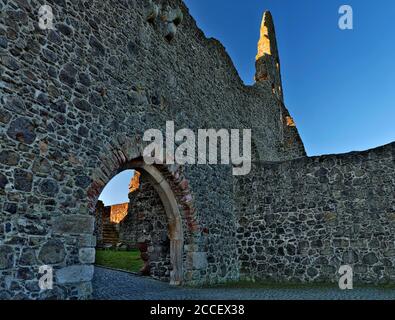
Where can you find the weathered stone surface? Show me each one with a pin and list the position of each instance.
(64, 29)
(22, 130)
(85, 79)
(74, 274)
(138, 98)
(31, 226)
(4, 295)
(3, 181)
(83, 181)
(73, 224)
(5, 116)
(82, 105)
(41, 167)
(3, 42)
(326, 222)
(171, 31)
(75, 102)
(198, 260)
(10, 63)
(370, 259)
(87, 255)
(15, 104)
(86, 240)
(49, 187)
(97, 47)
(52, 252)
(54, 37)
(28, 257)
(23, 180)
(9, 157)
(67, 75)
(6, 257)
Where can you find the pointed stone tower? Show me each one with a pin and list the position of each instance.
(267, 60)
(134, 182)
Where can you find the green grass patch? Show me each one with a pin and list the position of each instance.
(123, 260)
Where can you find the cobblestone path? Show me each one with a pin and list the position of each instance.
(117, 285)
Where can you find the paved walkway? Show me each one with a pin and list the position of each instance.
(117, 285)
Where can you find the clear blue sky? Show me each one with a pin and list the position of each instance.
(338, 85)
(117, 190)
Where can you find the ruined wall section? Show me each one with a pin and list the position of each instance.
(301, 220)
(98, 231)
(146, 225)
(292, 144)
(118, 212)
(67, 96)
(267, 64)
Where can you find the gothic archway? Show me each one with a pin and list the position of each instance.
(170, 184)
(175, 228)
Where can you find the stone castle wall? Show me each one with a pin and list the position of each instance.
(107, 219)
(301, 220)
(75, 102)
(146, 226)
(70, 99)
(118, 212)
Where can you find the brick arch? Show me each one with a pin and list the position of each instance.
(171, 185)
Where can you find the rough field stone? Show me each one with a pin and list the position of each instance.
(28, 257)
(10, 63)
(3, 181)
(82, 105)
(370, 259)
(23, 180)
(73, 224)
(49, 187)
(87, 255)
(6, 257)
(9, 157)
(23, 130)
(83, 181)
(52, 252)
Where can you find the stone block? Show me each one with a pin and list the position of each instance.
(190, 247)
(23, 180)
(87, 240)
(23, 130)
(6, 257)
(74, 274)
(87, 255)
(370, 259)
(52, 252)
(197, 260)
(73, 224)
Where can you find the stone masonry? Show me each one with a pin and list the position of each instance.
(74, 104)
(145, 227)
(301, 220)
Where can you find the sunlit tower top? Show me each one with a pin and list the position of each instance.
(267, 59)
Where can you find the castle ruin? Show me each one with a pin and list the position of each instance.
(75, 102)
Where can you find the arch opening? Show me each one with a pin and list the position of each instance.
(150, 221)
